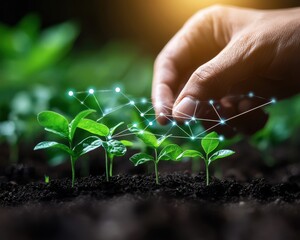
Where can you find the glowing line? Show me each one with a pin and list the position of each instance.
(216, 111)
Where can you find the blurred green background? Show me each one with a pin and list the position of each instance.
(50, 47)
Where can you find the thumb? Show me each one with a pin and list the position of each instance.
(214, 79)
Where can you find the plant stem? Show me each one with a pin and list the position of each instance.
(73, 170)
(106, 167)
(155, 167)
(207, 174)
(111, 166)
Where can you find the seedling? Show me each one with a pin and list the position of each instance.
(47, 179)
(111, 146)
(56, 123)
(209, 143)
(169, 152)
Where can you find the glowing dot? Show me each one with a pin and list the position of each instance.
(71, 93)
(221, 138)
(117, 89)
(142, 132)
(174, 123)
(186, 123)
(142, 114)
(273, 100)
(132, 102)
(161, 114)
(134, 125)
(250, 94)
(150, 123)
(103, 114)
(144, 100)
(211, 102)
(222, 121)
(91, 91)
(193, 119)
(192, 138)
(81, 102)
(109, 137)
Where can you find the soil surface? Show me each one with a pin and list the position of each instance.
(134, 207)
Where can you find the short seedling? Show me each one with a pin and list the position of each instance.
(47, 179)
(59, 125)
(169, 152)
(209, 143)
(111, 146)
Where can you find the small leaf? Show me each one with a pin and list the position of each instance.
(114, 147)
(54, 122)
(50, 144)
(93, 127)
(127, 143)
(86, 145)
(162, 139)
(112, 130)
(147, 137)
(210, 142)
(190, 154)
(141, 158)
(220, 154)
(170, 152)
(73, 125)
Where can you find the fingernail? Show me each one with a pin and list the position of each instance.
(185, 108)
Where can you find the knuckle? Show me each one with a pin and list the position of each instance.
(207, 76)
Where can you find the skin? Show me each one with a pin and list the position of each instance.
(224, 51)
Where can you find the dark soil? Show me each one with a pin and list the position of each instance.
(134, 207)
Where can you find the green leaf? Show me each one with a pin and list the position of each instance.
(94, 127)
(220, 154)
(147, 137)
(50, 144)
(126, 143)
(190, 154)
(210, 142)
(114, 147)
(86, 145)
(73, 125)
(112, 130)
(141, 158)
(162, 139)
(170, 152)
(54, 122)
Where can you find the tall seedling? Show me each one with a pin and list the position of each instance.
(56, 123)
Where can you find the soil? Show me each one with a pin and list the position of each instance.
(134, 207)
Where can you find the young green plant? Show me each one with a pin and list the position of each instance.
(209, 144)
(56, 123)
(168, 153)
(111, 146)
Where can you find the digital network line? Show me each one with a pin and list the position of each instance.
(149, 117)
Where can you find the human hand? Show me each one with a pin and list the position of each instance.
(223, 51)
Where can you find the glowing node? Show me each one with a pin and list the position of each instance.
(211, 102)
(161, 114)
(142, 114)
(117, 89)
(273, 100)
(187, 123)
(250, 94)
(134, 125)
(174, 123)
(150, 123)
(81, 102)
(109, 137)
(221, 138)
(192, 138)
(144, 100)
(141, 132)
(91, 91)
(222, 121)
(132, 102)
(70, 93)
(193, 119)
